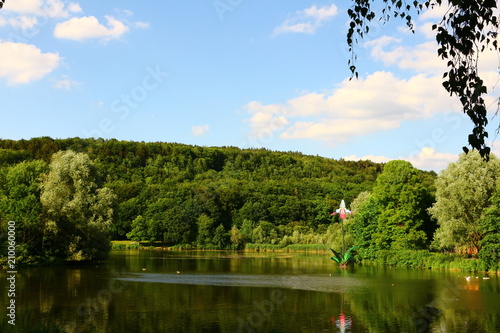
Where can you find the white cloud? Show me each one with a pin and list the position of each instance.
(200, 130)
(426, 159)
(307, 20)
(65, 83)
(23, 63)
(22, 21)
(373, 158)
(88, 27)
(429, 159)
(48, 8)
(435, 13)
(337, 131)
(421, 58)
(355, 108)
(33, 14)
(495, 149)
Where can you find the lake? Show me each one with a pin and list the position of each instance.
(214, 291)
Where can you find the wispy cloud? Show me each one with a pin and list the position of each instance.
(200, 130)
(24, 63)
(306, 21)
(142, 25)
(88, 27)
(65, 83)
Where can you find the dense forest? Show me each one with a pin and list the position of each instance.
(68, 197)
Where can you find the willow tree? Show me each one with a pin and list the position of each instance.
(78, 212)
(464, 191)
(466, 30)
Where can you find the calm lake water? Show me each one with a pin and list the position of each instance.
(203, 291)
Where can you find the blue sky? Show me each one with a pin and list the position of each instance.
(231, 73)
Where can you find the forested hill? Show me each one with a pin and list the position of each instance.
(168, 191)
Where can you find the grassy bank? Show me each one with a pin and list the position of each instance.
(431, 260)
(405, 258)
(288, 248)
(127, 244)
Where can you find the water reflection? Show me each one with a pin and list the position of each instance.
(343, 323)
(235, 292)
(320, 283)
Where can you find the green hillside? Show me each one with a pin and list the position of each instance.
(220, 197)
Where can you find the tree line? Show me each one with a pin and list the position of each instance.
(63, 192)
(70, 196)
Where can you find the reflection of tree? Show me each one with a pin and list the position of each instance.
(73, 300)
(390, 308)
(414, 304)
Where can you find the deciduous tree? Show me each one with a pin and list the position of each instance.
(78, 211)
(20, 202)
(463, 193)
(394, 215)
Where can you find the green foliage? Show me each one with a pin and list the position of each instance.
(394, 215)
(400, 196)
(206, 230)
(236, 238)
(19, 202)
(427, 259)
(139, 229)
(490, 251)
(490, 222)
(466, 29)
(366, 212)
(490, 227)
(199, 197)
(221, 237)
(78, 212)
(346, 258)
(464, 193)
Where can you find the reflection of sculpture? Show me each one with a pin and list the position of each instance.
(344, 322)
